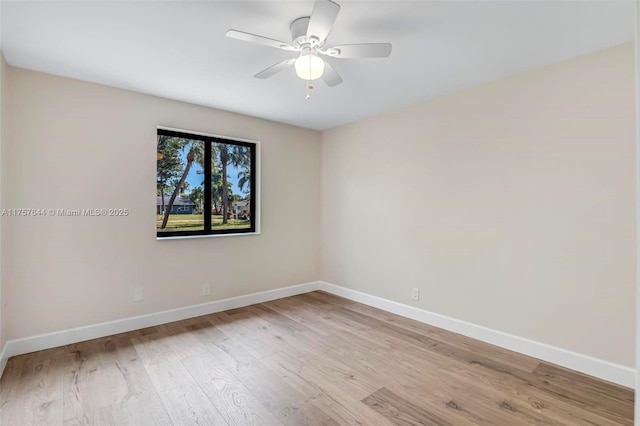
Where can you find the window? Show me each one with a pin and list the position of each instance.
(206, 185)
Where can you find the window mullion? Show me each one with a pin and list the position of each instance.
(207, 187)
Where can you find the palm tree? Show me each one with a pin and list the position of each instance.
(224, 160)
(197, 196)
(195, 151)
(185, 187)
(169, 164)
(216, 180)
(244, 178)
(242, 159)
(235, 155)
(216, 191)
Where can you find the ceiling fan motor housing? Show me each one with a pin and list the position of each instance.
(299, 34)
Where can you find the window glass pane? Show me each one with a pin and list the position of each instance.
(180, 185)
(231, 186)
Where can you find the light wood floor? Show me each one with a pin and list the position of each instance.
(309, 359)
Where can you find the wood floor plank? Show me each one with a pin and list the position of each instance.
(140, 408)
(188, 405)
(401, 411)
(334, 377)
(288, 405)
(256, 322)
(32, 410)
(10, 385)
(161, 363)
(119, 349)
(514, 390)
(32, 391)
(242, 328)
(274, 317)
(596, 388)
(537, 411)
(316, 299)
(503, 355)
(497, 390)
(340, 405)
(321, 319)
(437, 392)
(233, 355)
(308, 359)
(300, 312)
(98, 387)
(324, 297)
(181, 341)
(236, 404)
(83, 374)
(593, 395)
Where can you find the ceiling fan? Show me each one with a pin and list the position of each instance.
(308, 35)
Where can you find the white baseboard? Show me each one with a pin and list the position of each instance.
(66, 337)
(595, 367)
(606, 370)
(3, 359)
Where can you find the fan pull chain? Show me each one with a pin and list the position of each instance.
(309, 86)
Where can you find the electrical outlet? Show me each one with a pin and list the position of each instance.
(137, 294)
(415, 294)
(206, 289)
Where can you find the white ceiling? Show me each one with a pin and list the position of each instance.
(178, 50)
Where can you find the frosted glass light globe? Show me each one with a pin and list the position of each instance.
(309, 67)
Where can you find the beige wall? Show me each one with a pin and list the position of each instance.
(509, 205)
(75, 145)
(3, 100)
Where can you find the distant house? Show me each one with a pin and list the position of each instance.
(241, 209)
(181, 205)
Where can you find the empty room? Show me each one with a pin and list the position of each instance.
(366, 212)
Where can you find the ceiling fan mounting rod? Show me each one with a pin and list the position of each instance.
(307, 49)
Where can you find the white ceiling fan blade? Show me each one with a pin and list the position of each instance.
(330, 76)
(276, 68)
(323, 16)
(365, 50)
(252, 38)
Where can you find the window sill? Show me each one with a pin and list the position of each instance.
(188, 237)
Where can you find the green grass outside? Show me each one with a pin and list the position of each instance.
(195, 222)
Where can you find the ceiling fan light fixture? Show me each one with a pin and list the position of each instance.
(308, 36)
(309, 66)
